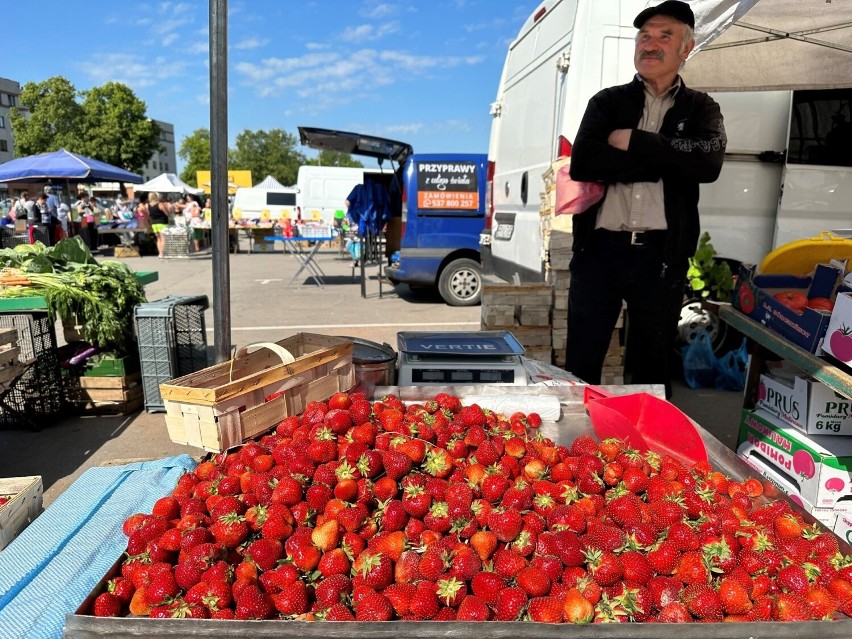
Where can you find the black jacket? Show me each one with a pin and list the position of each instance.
(688, 150)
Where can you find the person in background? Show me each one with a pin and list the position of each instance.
(207, 211)
(192, 213)
(159, 218)
(651, 142)
(20, 206)
(41, 222)
(62, 216)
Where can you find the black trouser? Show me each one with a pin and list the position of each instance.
(616, 266)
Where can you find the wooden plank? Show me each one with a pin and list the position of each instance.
(128, 381)
(24, 506)
(8, 336)
(109, 394)
(10, 355)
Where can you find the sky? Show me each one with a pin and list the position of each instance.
(420, 71)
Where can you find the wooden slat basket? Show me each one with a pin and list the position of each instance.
(224, 405)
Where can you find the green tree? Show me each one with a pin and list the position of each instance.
(195, 151)
(334, 158)
(55, 118)
(110, 124)
(267, 153)
(117, 129)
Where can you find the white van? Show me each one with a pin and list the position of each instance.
(779, 182)
(264, 204)
(323, 190)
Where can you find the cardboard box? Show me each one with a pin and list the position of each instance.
(24, 505)
(843, 527)
(807, 404)
(754, 296)
(838, 334)
(818, 468)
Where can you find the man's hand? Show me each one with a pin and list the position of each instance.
(620, 138)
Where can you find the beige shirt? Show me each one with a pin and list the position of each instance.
(639, 206)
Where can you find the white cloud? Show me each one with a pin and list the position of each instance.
(251, 43)
(131, 69)
(319, 79)
(378, 10)
(411, 128)
(364, 32)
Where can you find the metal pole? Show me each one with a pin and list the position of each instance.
(219, 178)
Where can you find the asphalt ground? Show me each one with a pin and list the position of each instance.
(264, 306)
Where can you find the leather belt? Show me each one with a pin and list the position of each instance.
(634, 238)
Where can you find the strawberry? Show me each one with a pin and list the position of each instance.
(792, 578)
(790, 607)
(734, 597)
(534, 581)
(351, 518)
(424, 604)
(510, 604)
(122, 588)
(692, 568)
(625, 510)
(374, 606)
(576, 608)
(674, 612)
(821, 602)
(334, 562)
(265, 552)
(484, 542)
(465, 563)
(665, 558)
(400, 596)
(472, 608)
(253, 604)
(636, 567)
(292, 599)
(339, 612)
(106, 605)
(545, 609)
(373, 569)
(230, 530)
(416, 501)
(703, 602)
(505, 524)
(507, 563)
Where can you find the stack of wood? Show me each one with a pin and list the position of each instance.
(11, 367)
(525, 311)
(105, 395)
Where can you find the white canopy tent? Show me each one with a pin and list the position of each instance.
(167, 183)
(269, 183)
(747, 45)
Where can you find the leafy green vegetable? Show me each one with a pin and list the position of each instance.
(102, 296)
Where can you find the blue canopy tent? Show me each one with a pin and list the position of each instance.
(63, 165)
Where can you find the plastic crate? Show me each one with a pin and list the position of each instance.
(177, 244)
(36, 397)
(10, 238)
(172, 342)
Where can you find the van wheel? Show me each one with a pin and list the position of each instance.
(461, 283)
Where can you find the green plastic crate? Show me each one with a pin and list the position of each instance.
(106, 365)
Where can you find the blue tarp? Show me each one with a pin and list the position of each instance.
(60, 557)
(369, 207)
(64, 165)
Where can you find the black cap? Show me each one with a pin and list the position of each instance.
(673, 8)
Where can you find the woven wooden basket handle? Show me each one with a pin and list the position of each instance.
(285, 355)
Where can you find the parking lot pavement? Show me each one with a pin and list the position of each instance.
(263, 308)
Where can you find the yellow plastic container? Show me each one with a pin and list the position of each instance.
(800, 257)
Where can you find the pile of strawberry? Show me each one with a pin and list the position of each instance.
(373, 511)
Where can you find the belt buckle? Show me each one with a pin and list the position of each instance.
(636, 238)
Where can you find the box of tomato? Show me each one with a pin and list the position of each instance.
(797, 307)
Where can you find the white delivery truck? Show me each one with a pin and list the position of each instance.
(323, 189)
(786, 175)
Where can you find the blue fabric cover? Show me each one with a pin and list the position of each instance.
(60, 557)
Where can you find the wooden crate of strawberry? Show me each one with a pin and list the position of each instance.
(224, 405)
(20, 503)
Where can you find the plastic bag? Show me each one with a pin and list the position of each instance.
(574, 197)
(699, 362)
(731, 369)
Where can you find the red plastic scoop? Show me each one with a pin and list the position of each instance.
(645, 422)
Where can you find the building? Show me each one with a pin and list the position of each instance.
(166, 160)
(9, 92)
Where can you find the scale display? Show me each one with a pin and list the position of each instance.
(439, 376)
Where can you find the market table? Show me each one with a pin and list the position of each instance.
(126, 236)
(572, 423)
(293, 246)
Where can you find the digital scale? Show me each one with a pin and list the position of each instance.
(477, 357)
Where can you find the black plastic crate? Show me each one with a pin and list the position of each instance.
(172, 342)
(35, 398)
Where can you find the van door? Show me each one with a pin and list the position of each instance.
(817, 190)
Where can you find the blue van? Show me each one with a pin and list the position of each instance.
(441, 200)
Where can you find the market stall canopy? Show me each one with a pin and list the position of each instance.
(63, 165)
(749, 45)
(167, 183)
(269, 183)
